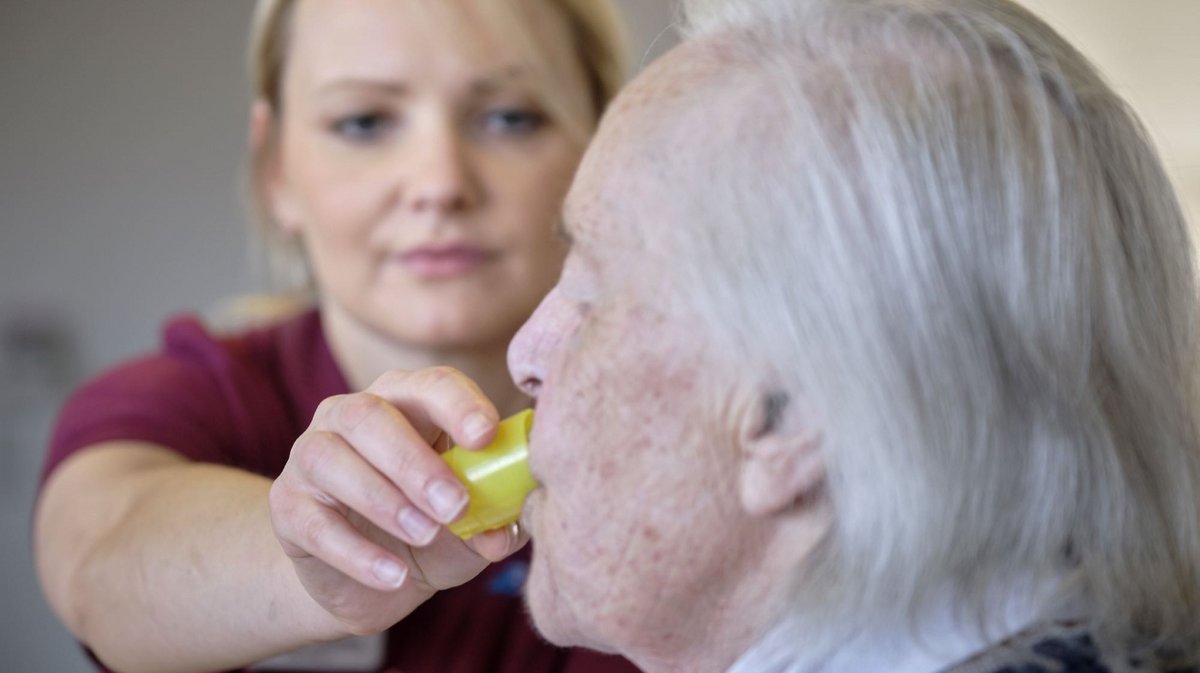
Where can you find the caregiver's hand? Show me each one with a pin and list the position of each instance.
(361, 503)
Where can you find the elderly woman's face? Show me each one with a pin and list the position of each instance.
(420, 167)
(637, 531)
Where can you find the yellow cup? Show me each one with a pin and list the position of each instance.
(497, 477)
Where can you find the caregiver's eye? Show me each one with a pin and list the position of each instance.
(364, 127)
(512, 121)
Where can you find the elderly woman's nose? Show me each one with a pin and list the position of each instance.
(532, 349)
(441, 174)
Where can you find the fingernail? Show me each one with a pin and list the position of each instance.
(477, 424)
(445, 499)
(389, 572)
(420, 528)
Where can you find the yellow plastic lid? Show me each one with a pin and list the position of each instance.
(497, 477)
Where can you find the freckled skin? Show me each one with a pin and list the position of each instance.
(640, 544)
(626, 498)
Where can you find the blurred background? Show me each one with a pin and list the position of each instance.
(122, 134)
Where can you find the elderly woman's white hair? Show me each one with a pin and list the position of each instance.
(975, 269)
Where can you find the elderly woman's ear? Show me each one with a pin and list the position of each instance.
(782, 465)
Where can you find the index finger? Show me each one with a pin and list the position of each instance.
(437, 399)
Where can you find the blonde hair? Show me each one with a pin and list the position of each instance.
(595, 31)
(955, 240)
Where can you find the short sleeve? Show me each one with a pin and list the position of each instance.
(173, 398)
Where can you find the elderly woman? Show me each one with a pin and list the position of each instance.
(894, 371)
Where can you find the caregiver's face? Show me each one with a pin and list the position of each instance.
(635, 521)
(422, 168)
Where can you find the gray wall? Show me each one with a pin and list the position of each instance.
(122, 127)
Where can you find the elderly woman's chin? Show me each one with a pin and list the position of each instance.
(557, 617)
(548, 607)
(576, 596)
(551, 615)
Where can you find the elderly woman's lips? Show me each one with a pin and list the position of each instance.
(443, 262)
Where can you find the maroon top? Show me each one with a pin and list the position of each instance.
(242, 401)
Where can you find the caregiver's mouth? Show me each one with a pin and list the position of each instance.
(444, 262)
